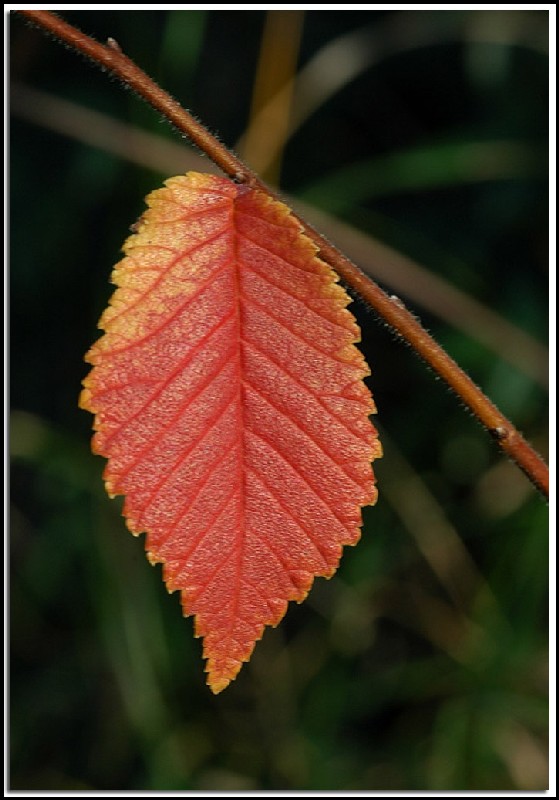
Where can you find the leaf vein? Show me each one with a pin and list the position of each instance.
(199, 212)
(178, 256)
(307, 389)
(212, 423)
(167, 321)
(181, 365)
(304, 431)
(205, 586)
(282, 323)
(301, 301)
(206, 531)
(294, 519)
(259, 593)
(297, 471)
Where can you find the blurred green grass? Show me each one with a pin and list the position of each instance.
(422, 664)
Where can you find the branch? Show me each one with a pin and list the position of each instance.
(110, 57)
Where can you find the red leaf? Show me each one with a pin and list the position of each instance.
(229, 401)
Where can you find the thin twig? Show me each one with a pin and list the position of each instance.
(391, 309)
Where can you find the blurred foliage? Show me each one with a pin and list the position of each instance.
(422, 664)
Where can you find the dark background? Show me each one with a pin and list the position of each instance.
(422, 664)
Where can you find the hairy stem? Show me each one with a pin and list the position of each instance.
(391, 309)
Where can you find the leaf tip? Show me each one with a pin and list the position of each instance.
(217, 685)
(222, 671)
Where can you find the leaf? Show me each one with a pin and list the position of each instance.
(229, 400)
